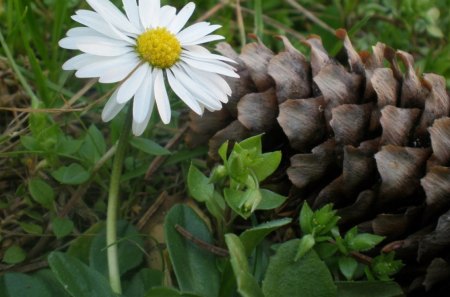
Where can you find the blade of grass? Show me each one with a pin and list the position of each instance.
(259, 23)
(35, 66)
(34, 99)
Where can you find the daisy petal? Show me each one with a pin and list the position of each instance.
(80, 61)
(162, 100)
(112, 15)
(139, 128)
(206, 57)
(181, 18)
(208, 82)
(167, 14)
(143, 99)
(196, 90)
(132, 11)
(83, 31)
(149, 13)
(196, 31)
(112, 108)
(183, 94)
(74, 42)
(109, 70)
(205, 39)
(211, 67)
(104, 49)
(130, 86)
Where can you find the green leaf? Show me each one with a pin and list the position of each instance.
(246, 283)
(252, 143)
(223, 151)
(41, 192)
(93, 146)
(129, 249)
(30, 143)
(199, 186)
(250, 238)
(14, 254)
(143, 281)
(74, 174)
(216, 206)
(194, 267)
(62, 227)
(77, 278)
(19, 284)
(307, 242)
(168, 292)
(243, 203)
(67, 146)
(348, 266)
(149, 147)
(267, 166)
(31, 228)
(364, 241)
(308, 277)
(306, 217)
(369, 289)
(270, 200)
(48, 279)
(80, 246)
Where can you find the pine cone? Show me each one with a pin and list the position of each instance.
(370, 139)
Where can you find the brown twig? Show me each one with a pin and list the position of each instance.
(211, 12)
(309, 15)
(151, 210)
(202, 244)
(159, 160)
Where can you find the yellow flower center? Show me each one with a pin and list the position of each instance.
(159, 47)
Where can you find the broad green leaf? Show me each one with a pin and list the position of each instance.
(270, 200)
(149, 146)
(364, 241)
(30, 143)
(48, 279)
(19, 284)
(80, 246)
(307, 242)
(198, 184)
(168, 292)
(31, 228)
(41, 192)
(130, 245)
(251, 143)
(308, 277)
(194, 267)
(246, 283)
(347, 266)
(74, 174)
(369, 289)
(268, 165)
(77, 278)
(250, 238)
(67, 146)
(14, 254)
(243, 203)
(93, 146)
(142, 282)
(62, 227)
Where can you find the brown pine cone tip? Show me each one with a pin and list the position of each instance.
(365, 136)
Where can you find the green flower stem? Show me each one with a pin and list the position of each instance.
(113, 205)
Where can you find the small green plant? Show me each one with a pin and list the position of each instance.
(342, 252)
(233, 188)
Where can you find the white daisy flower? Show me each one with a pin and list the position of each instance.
(142, 50)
